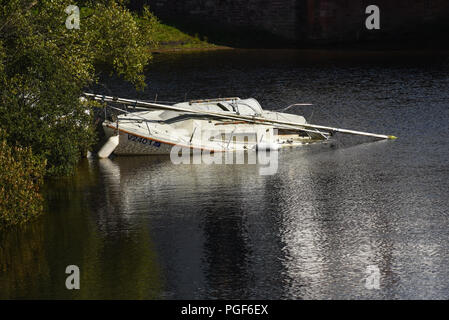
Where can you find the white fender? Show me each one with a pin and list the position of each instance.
(108, 147)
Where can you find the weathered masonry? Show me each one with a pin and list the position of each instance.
(316, 21)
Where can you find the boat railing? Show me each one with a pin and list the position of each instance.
(213, 100)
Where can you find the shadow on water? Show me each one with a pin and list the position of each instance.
(33, 258)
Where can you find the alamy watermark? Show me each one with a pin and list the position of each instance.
(72, 282)
(372, 22)
(227, 146)
(372, 281)
(73, 20)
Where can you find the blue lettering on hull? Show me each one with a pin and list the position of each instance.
(144, 141)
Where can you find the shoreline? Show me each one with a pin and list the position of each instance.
(190, 49)
(336, 50)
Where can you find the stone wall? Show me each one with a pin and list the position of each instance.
(274, 16)
(315, 21)
(344, 20)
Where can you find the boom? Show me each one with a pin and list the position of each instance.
(252, 119)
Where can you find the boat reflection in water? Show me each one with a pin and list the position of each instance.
(145, 228)
(225, 231)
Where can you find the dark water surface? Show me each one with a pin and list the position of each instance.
(142, 227)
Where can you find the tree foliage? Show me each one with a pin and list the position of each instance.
(20, 199)
(44, 67)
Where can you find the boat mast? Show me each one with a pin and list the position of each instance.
(253, 119)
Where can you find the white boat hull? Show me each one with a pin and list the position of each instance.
(131, 143)
(156, 132)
